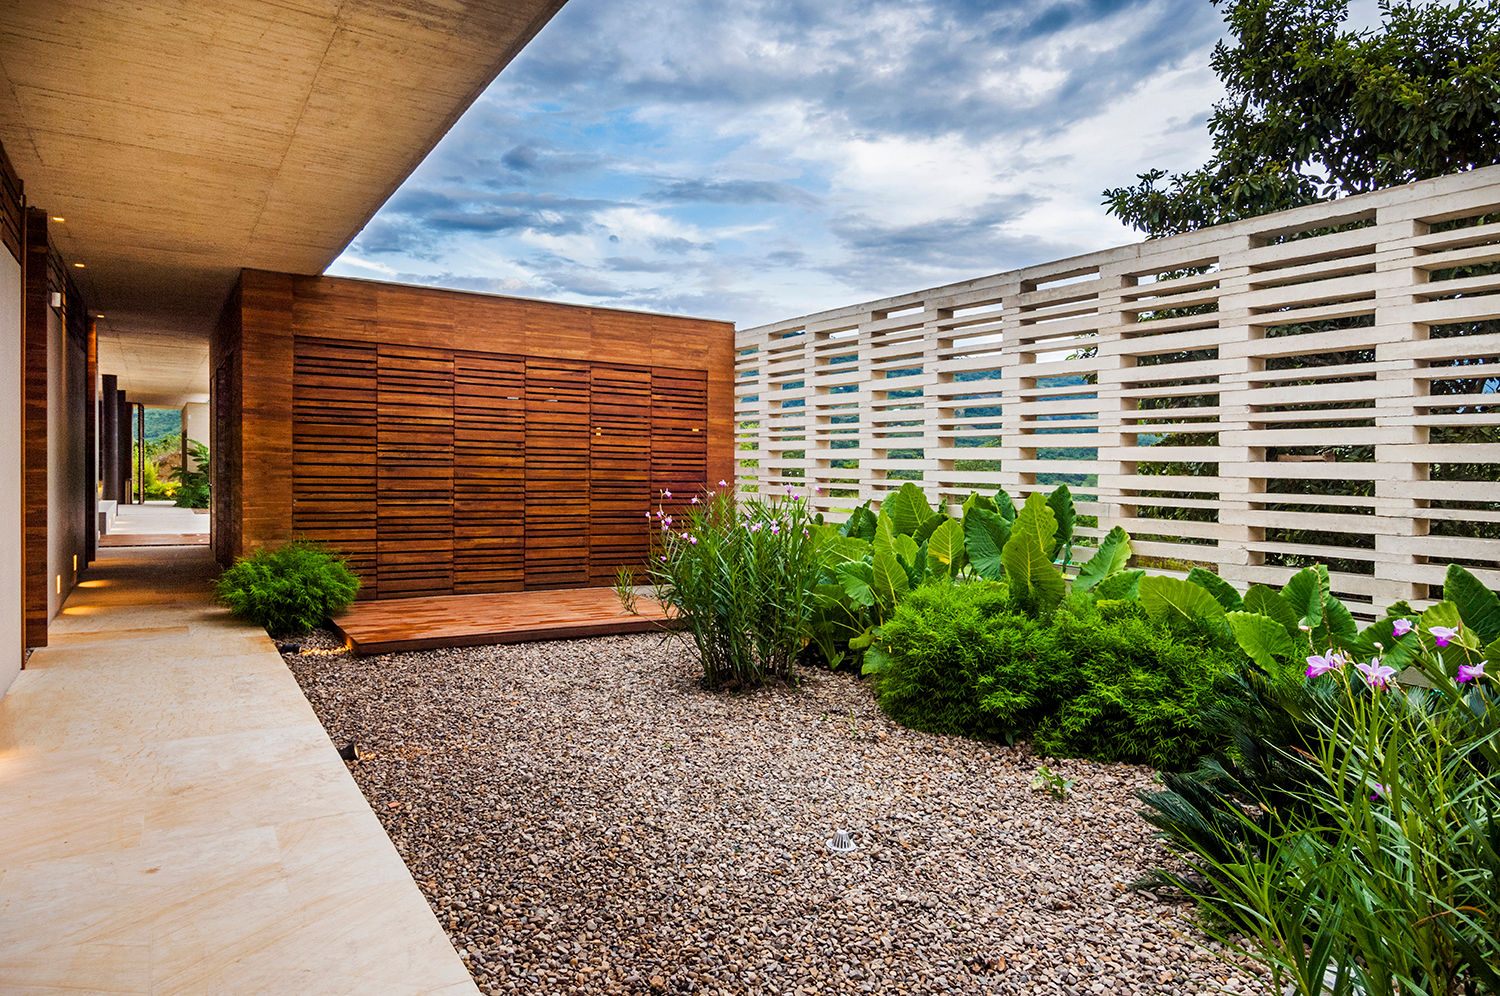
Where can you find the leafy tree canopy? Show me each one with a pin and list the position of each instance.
(1313, 111)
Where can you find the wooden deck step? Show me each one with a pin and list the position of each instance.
(384, 626)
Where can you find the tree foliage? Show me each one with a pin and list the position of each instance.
(1314, 111)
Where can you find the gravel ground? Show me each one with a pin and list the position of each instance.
(583, 818)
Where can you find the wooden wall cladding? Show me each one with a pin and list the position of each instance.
(454, 471)
(450, 442)
(12, 208)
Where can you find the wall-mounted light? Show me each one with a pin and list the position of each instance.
(58, 218)
(78, 266)
(57, 299)
(59, 584)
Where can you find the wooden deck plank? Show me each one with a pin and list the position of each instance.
(386, 626)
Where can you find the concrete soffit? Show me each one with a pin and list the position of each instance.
(180, 142)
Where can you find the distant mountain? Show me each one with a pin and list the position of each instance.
(162, 422)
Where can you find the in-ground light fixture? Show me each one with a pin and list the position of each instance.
(840, 842)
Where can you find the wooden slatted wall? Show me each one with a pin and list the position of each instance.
(414, 472)
(489, 478)
(442, 472)
(334, 450)
(620, 461)
(1309, 386)
(557, 473)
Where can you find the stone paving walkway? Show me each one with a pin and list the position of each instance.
(173, 818)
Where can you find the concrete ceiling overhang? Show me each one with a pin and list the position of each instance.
(182, 141)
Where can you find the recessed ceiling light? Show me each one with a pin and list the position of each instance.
(79, 265)
(58, 217)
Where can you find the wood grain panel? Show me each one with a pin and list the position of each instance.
(12, 209)
(619, 469)
(334, 450)
(489, 486)
(414, 472)
(679, 443)
(557, 473)
(34, 435)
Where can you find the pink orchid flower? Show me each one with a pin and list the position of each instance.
(1468, 672)
(723, 483)
(1401, 627)
(1320, 664)
(666, 494)
(694, 501)
(1377, 675)
(1443, 635)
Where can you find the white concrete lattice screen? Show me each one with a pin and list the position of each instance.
(1191, 351)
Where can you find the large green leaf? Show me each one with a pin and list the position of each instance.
(844, 549)
(1027, 556)
(1337, 629)
(890, 580)
(885, 535)
(861, 523)
(1308, 593)
(1477, 605)
(977, 500)
(1007, 507)
(1267, 601)
(906, 508)
(1263, 638)
(1222, 591)
(1121, 585)
(945, 549)
(925, 530)
(1113, 554)
(907, 549)
(1178, 602)
(1036, 522)
(1061, 503)
(858, 582)
(985, 533)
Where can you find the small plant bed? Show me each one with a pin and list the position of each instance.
(584, 817)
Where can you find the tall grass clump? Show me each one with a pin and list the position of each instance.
(739, 576)
(288, 589)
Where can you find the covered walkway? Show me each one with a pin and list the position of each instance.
(175, 818)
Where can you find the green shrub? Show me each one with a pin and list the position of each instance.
(1132, 689)
(289, 589)
(740, 577)
(962, 659)
(193, 485)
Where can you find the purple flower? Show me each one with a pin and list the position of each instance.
(667, 521)
(1443, 635)
(1468, 672)
(693, 540)
(666, 494)
(1401, 627)
(1377, 675)
(694, 501)
(664, 559)
(648, 514)
(723, 483)
(775, 529)
(1379, 794)
(1320, 664)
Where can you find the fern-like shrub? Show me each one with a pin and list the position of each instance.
(289, 589)
(1134, 690)
(962, 658)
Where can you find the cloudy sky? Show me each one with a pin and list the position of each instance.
(753, 160)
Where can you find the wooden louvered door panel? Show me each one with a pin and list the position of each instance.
(415, 472)
(679, 445)
(334, 451)
(557, 473)
(619, 469)
(489, 486)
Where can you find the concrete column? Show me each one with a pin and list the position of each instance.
(194, 430)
